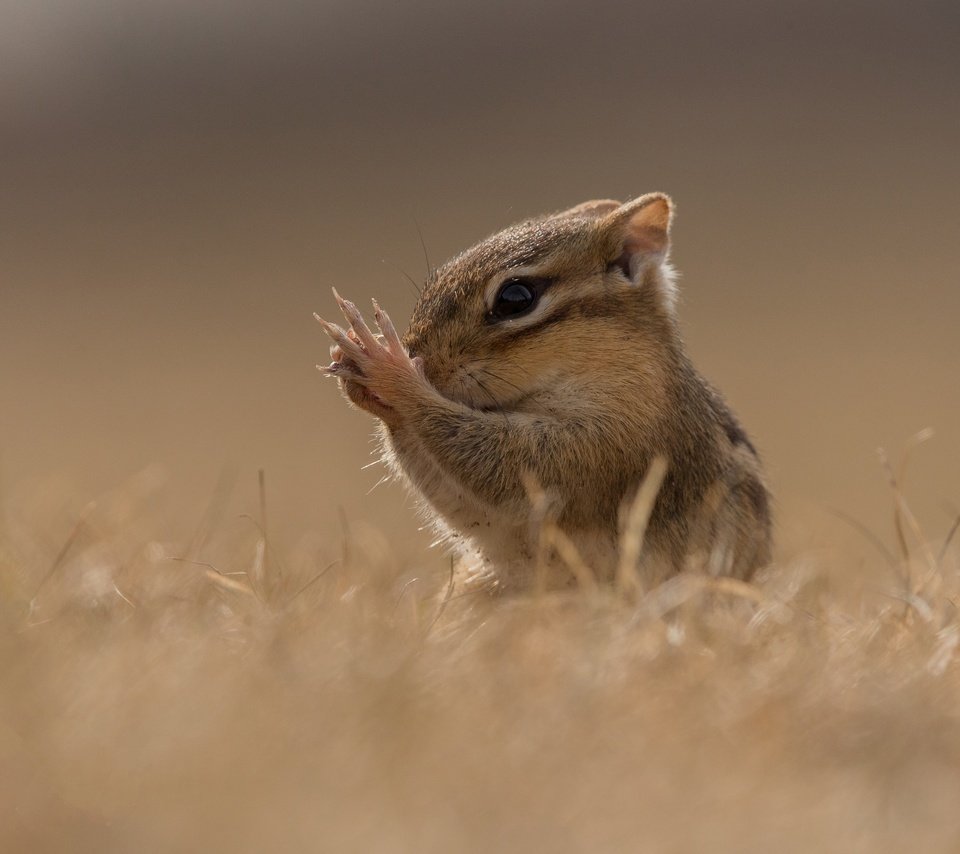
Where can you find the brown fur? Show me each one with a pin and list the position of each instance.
(580, 397)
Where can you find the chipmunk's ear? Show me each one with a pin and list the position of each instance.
(596, 208)
(637, 237)
(641, 227)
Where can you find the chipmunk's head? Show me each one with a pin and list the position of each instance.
(547, 301)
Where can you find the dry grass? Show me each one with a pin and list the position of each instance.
(317, 700)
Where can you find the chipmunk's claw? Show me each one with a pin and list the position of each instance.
(388, 329)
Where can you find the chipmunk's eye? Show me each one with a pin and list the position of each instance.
(516, 296)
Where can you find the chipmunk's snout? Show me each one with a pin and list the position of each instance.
(428, 347)
(444, 366)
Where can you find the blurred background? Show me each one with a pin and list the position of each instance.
(182, 183)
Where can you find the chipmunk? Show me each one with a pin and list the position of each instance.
(550, 353)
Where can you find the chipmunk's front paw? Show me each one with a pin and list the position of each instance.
(375, 371)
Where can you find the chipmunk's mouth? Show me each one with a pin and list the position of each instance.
(483, 390)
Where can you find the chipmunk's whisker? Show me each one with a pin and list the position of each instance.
(513, 363)
(493, 399)
(416, 287)
(504, 380)
(423, 246)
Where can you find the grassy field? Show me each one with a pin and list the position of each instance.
(225, 693)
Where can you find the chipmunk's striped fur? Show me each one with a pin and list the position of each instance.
(578, 393)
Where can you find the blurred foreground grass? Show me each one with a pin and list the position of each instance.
(224, 693)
